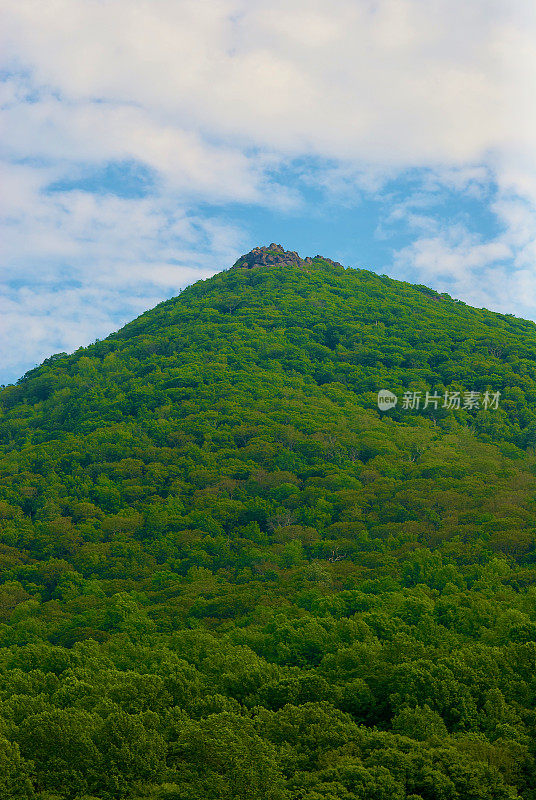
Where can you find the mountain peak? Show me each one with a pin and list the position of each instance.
(268, 256)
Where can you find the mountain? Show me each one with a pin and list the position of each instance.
(227, 573)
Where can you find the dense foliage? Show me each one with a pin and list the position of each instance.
(227, 575)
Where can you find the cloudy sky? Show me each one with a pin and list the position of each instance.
(148, 143)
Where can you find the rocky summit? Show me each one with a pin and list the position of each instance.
(268, 256)
(275, 254)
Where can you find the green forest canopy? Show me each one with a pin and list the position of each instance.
(227, 575)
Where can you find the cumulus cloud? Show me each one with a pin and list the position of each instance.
(78, 265)
(433, 80)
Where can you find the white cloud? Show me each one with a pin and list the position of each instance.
(389, 80)
(78, 265)
(497, 273)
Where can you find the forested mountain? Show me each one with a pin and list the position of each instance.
(228, 575)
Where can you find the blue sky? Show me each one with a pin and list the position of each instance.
(147, 144)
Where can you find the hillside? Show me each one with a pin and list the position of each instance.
(227, 574)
